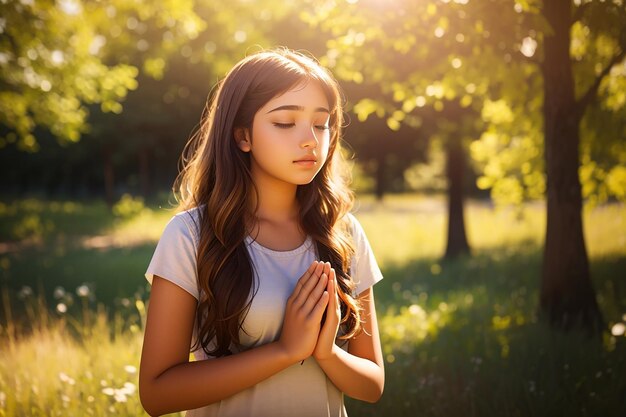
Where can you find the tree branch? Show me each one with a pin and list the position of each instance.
(590, 95)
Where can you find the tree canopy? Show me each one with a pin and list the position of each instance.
(58, 57)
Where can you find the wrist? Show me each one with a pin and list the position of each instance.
(326, 356)
(283, 356)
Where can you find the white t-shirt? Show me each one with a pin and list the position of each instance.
(300, 390)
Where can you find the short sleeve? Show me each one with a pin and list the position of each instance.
(174, 258)
(364, 268)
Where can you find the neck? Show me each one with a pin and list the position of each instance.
(276, 201)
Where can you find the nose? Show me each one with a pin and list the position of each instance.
(309, 139)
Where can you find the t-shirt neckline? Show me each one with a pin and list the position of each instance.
(279, 253)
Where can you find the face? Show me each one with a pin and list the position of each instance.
(290, 136)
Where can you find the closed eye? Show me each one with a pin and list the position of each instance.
(284, 125)
(322, 127)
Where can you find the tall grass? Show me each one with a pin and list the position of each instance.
(71, 365)
(460, 338)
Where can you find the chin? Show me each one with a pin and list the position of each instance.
(305, 181)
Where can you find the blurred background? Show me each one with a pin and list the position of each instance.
(488, 153)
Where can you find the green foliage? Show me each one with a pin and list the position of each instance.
(55, 58)
(39, 220)
(428, 176)
(128, 206)
(426, 58)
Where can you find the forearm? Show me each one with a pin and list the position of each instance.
(196, 384)
(356, 377)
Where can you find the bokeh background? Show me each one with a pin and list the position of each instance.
(488, 152)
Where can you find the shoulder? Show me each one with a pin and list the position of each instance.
(353, 227)
(364, 268)
(185, 224)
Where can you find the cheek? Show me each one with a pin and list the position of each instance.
(261, 136)
(327, 146)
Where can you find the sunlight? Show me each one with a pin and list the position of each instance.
(70, 7)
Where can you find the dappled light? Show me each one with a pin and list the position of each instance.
(486, 146)
(479, 313)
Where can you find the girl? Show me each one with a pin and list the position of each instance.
(264, 273)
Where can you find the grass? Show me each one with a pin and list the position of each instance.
(460, 338)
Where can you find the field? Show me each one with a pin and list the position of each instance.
(460, 338)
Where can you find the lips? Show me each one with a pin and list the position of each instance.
(306, 159)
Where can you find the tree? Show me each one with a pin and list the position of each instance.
(67, 67)
(54, 60)
(429, 61)
(569, 123)
(495, 48)
(567, 296)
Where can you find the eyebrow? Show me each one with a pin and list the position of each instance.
(293, 107)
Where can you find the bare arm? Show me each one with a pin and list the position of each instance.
(360, 372)
(168, 382)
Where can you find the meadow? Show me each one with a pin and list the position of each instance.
(460, 338)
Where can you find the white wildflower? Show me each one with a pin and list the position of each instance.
(618, 329)
(25, 292)
(129, 388)
(83, 291)
(120, 396)
(59, 292)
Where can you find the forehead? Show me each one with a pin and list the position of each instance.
(308, 94)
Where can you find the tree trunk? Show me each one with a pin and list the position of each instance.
(109, 176)
(455, 172)
(567, 296)
(144, 172)
(381, 177)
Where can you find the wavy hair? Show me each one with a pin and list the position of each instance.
(215, 178)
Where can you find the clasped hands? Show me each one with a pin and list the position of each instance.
(303, 334)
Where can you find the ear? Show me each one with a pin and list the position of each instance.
(242, 137)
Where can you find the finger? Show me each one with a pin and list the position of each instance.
(320, 307)
(320, 269)
(327, 268)
(316, 293)
(332, 290)
(332, 284)
(309, 283)
(304, 279)
(307, 287)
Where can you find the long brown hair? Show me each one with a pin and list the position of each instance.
(216, 179)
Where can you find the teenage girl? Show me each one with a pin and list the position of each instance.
(263, 274)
